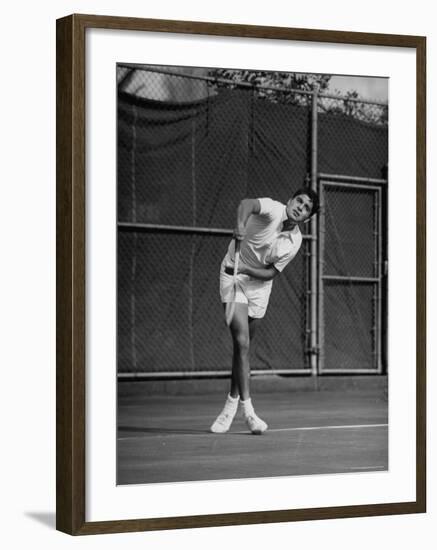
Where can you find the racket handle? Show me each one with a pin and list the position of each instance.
(236, 257)
(230, 306)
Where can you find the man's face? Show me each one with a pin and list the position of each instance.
(299, 208)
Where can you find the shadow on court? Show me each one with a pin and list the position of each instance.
(166, 438)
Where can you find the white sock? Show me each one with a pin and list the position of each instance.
(248, 409)
(231, 402)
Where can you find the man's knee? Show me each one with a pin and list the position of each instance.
(242, 342)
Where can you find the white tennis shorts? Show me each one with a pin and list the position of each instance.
(250, 291)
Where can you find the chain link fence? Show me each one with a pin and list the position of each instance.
(192, 143)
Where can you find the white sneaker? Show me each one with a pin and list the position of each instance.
(255, 424)
(223, 422)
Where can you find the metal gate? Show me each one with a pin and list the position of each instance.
(350, 276)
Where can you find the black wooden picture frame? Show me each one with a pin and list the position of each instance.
(71, 253)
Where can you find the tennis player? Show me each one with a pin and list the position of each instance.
(270, 238)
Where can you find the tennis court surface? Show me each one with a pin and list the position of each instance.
(166, 438)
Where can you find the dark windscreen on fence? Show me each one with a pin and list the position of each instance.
(189, 164)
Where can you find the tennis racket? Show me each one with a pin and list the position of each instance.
(230, 306)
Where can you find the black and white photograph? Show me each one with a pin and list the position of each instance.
(218, 275)
(252, 274)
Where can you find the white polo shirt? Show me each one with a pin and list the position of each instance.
(265, 243)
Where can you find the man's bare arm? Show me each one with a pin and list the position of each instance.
(262, 273)
(246, 208)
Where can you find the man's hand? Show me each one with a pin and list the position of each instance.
(240, 232)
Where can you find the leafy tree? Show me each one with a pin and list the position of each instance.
(350, 105)
(281, 87)
(278, 87)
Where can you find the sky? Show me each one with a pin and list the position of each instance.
(370, 88)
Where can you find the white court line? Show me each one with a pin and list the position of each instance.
(306, 428)
(346, 427)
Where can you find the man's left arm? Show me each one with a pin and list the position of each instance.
(262, 273)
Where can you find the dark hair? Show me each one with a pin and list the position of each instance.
(312, 195)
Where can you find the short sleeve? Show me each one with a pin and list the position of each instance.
(286, 252)
(266, 206)
(269, 208)
(282, 262)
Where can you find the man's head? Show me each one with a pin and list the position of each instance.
(302, 205)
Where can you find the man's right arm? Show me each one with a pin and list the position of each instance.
(246, 208)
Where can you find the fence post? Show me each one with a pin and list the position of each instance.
(314, 231)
